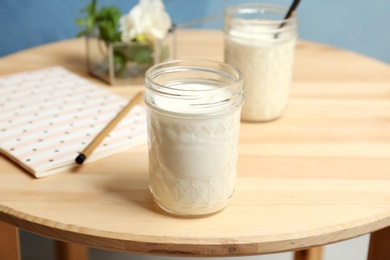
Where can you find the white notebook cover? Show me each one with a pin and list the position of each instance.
(48, 116)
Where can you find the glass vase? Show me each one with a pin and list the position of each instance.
(121, 63)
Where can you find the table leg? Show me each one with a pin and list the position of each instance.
(379, 248)
(69, 251)
(9, 242)
(314, 253)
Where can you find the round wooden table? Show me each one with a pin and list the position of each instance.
(318, 175)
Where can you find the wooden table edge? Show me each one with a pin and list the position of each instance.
(165, 246)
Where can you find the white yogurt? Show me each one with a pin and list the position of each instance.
(260, 41)
(192, 159)
(267, 67)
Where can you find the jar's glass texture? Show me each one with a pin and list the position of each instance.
(261, 43)
(193, 115)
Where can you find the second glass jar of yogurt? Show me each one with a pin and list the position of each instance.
(261, 43)
(193, 114)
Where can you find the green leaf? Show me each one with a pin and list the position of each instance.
(80, 22)
(143, 55)
(82, 33)
(105, 21)
(90, 22)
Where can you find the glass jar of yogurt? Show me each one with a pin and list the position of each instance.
(193, 119)
(261, 43)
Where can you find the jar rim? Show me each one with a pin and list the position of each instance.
(190, 63)
(200, 72)
(250, 8)
(187, 64)
(252, 18)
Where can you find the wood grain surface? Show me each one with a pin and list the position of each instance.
(318, 175)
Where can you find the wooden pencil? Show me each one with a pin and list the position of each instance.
(107, 129)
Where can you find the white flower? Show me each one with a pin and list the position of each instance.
(147, 20)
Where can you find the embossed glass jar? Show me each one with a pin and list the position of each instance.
(193, 110)
(261, 43)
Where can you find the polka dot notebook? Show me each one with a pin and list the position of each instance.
(48, 116)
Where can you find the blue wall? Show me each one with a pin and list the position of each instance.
(359, 25)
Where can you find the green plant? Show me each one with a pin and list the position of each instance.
(104, 23)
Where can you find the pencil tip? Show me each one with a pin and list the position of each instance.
(80, 158)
